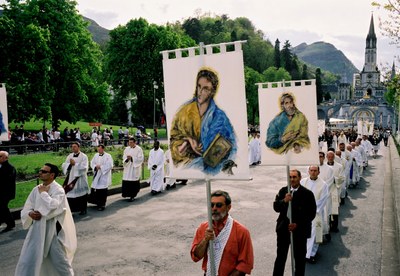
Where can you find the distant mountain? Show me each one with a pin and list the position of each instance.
(99, 34)
(327, 57)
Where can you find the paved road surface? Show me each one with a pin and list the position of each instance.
(153, 234)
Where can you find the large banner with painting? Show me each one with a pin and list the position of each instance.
(3, 113)
(288, 122)
(206, 113)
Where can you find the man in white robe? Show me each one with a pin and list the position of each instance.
(361, 149)
(356, 168)
(50, 244)
(156, 168)
(132, 161)
(342, 161)
(75, 168)
(253, 148)
(95, 139)
(101, 164)
(258, 155)
(321, 194)
(335, 190)
(326, 174)
(169, 181)
(369, 149)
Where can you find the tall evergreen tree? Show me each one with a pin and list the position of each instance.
(295, 73)
(277, 54)
(304, 73)
(287, 56)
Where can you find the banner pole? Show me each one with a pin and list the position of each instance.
(210, 226)
(290, 221)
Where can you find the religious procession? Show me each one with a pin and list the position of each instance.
(254, 193)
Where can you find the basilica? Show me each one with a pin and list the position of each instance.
(363, 100)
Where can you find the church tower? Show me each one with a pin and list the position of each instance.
(369, 84)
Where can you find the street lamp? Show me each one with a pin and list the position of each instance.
(155, 86)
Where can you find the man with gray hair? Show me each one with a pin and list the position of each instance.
(232, 243)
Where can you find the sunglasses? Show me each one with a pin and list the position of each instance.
(44, 171)
(218, 204)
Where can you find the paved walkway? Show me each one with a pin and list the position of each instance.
(153, 234)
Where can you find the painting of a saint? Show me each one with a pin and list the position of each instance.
(201, 134)
(288, 131)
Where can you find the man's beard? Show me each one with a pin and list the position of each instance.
(290, 111)
(217, 216)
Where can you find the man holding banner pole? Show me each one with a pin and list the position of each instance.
(302, 212)
(233, 249)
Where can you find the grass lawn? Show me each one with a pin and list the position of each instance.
(30, 164)
(35, 126)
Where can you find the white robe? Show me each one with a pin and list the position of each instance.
(334, 142)
(156, 157)
(102, 180)
(335, 190)
(168, 164)
(367, 147)
(95, 139)
(326, 173)
(78, 170)
(253, 154)
(321, 194)
(132, 169)
(342, 139)
(357, 165)
(44, 252)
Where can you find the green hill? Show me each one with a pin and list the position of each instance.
(99, 34)
(327, 57)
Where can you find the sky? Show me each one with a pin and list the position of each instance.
(343, 23)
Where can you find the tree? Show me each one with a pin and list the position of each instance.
(277, 54)
(318, 84)
(133, 62)
(391, 25)
(287, 56)
(272, 74)
(304, 73)
(60, 69)
(295, 73)
(251, 78)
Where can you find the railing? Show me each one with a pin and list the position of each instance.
(34, 147)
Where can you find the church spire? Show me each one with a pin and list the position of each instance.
(370, 49)
(393, 73)
(371, 37)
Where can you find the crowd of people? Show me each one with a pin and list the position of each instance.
(46, 139)
(309, 210)
(314, 217)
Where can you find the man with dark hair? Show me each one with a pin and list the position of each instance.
(7, 179)
(233, 249)
(289, 129)
(101, 164)
(50, 244)
(303, 209)
(132, 161)
(76, 186)
(156, 166)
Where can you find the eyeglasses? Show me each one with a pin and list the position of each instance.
(218, 204)
(43, 171)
